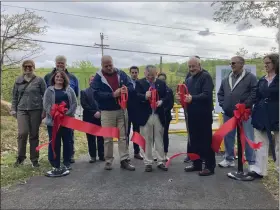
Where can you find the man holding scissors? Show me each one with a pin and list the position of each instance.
(107, 88)
(151, 90)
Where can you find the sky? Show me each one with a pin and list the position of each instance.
(197, 16)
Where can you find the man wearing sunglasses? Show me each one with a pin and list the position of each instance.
(238, 87)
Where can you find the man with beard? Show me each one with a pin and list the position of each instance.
(152, 123)
(200, 119)
(60, 63)
(107, 88)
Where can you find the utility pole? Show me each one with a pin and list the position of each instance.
(101, 45)
(160, 64)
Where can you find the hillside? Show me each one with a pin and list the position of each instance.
(176, 73)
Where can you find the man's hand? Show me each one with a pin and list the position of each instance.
(148, 94)
(159, 103)
(117, 93)
(177, 97)
(97, 115)
(123, 89)
(13, 113)
(188, 98)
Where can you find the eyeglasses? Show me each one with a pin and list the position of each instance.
(267, 63)
(232, 63)
(28, 66)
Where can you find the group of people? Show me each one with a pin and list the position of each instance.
(33, 98)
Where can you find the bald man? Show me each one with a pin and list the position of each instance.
(107, 88)
(200, 119)
(152, 125)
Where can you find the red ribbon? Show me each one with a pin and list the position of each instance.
(192, 157)
(182, 91)
(60, 119)
(241, 114)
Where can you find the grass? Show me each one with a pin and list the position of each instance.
(11, 175)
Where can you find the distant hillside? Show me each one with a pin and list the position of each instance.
(84, 69)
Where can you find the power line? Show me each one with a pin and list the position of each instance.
(113, 49)
(135, 23)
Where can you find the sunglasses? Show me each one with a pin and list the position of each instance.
(232, 63)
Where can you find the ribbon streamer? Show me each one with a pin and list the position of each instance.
(182, 91)
(241, 114)
(192, 157)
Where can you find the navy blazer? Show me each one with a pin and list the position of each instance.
(89, 105)
(144, 107)
(265, 113)
(169, 105)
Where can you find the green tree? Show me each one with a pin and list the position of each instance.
(245, 12)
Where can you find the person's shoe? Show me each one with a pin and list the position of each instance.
(226, 164)
(162, 167)
(155, 159)
(108, 166)
(101, 158)
(57, 172)
(191, 169)
(148, 168)
(92, 160)
(255, 175)
(138, 156)
(68, 167)
(206, 172)
(72, 159)
(18, 162)
(166, 158)
(125, 164)
(35, 164)
(187, 160)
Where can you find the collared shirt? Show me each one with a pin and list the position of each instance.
(134, 83)
(234, 77)
(269, 81)
(152, 84)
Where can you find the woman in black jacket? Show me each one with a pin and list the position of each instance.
(265, 116)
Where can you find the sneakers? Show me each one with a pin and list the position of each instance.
(58, 172)
(92, 160)
(226, 164)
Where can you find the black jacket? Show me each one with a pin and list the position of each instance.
(265, 114)
(143, 105)
(89, 105)
(169, 105)
(244, 91)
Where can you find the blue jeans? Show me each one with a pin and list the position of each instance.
(229, 142)
(64, 134)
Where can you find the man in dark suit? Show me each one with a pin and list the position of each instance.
(91, 114)
(134, 72)
(167, 112)
(151, 123)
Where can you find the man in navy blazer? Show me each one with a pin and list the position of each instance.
(152, 124)
(91, 114)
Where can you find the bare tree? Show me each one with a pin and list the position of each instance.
(16, 37)
(242, 52)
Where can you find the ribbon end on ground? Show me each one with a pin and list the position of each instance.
(138, 139)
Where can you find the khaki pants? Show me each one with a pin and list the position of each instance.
(261, 164)
(28, 124)
(115, 119)
(147, 132)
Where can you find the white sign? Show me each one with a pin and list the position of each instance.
(221, 73)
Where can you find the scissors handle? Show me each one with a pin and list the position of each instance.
(123, 98)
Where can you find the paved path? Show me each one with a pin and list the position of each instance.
(91, 187)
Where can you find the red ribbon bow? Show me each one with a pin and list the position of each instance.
(57, 112)
(241, 114)
(124, 98)
(182, 91)
(154, 98)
